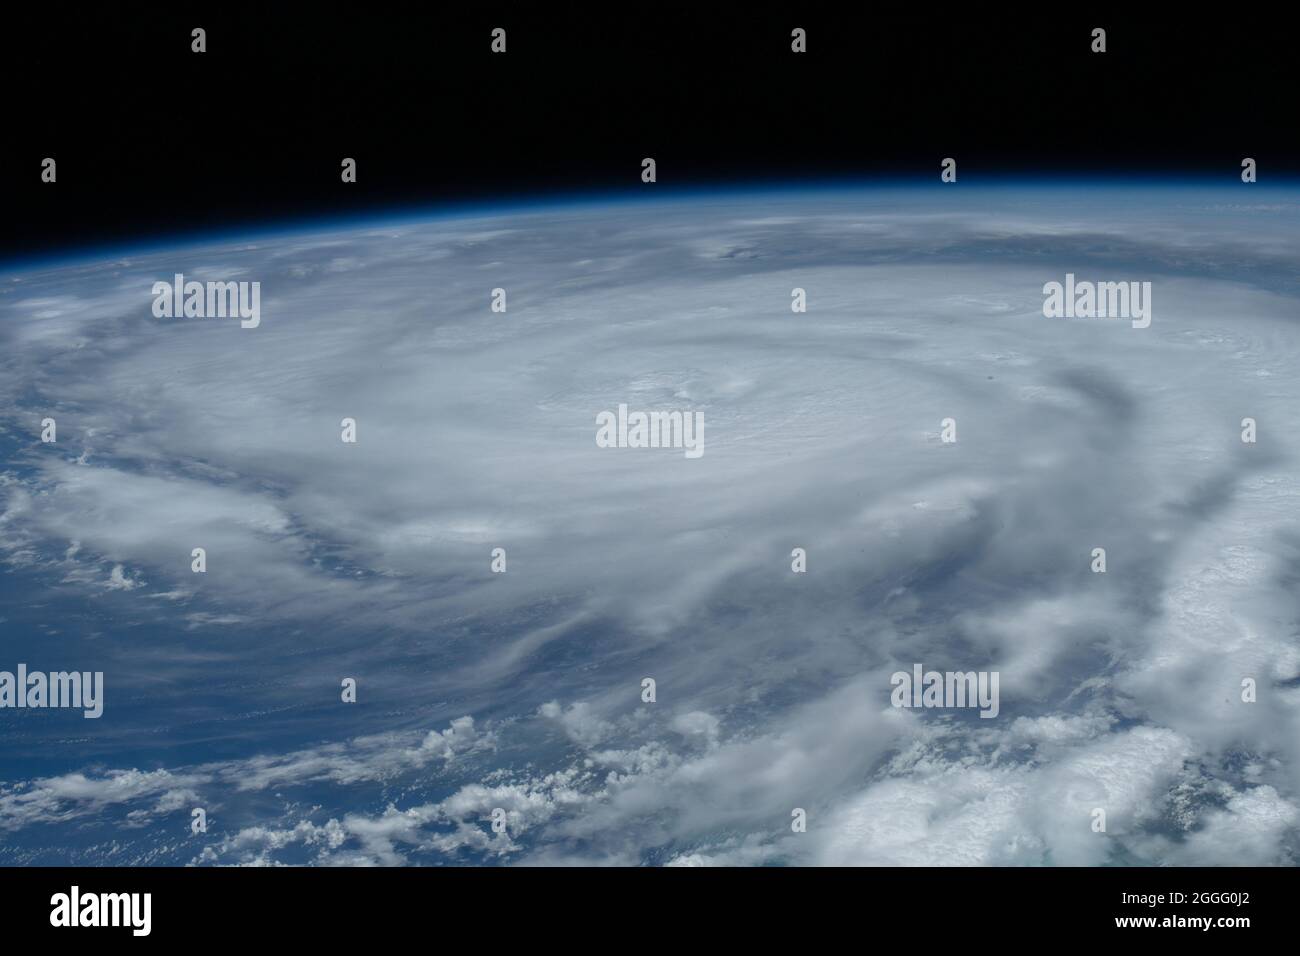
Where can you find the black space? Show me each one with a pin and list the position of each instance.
(152, 139)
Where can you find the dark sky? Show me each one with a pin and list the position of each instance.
(151, 138)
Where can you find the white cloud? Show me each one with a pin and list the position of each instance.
(475, 431)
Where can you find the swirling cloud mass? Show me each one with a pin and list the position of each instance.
(522, 691)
